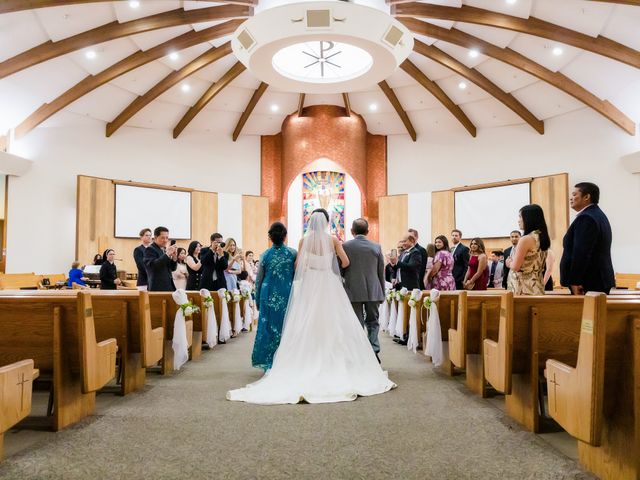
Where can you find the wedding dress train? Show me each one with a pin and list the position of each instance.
(324, 355)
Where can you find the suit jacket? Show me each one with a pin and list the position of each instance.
(423, 264)
(210, 265)
(505, 269)
(390, 272)
(159, 269)
(460, 264)
(364, 277)
(409, 269)
(138, 256)
(586, 259)
(497, 275)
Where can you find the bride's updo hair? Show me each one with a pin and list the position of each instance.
(323, 211)
(277, 233)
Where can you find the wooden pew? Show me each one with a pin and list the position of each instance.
(17, 281)
(199, 325)
(163, 313)
(15, 395)
(447, 305)
(627, 280)
(58, 332)
(598, 401)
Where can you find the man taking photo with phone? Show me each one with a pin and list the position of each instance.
(160, 261)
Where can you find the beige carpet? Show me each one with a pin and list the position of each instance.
(430, 427)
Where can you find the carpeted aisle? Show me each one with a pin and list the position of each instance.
(182, 427)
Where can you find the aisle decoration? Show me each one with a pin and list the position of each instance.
(412, 340)
(237, 314)
(401, 296)
(225, 324)
(393, 316)
(180, 344)
(212, 324)
(433, 344)
(245, 292)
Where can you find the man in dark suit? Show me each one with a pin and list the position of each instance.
(391, 267)
(423, 257)
(214, 262)
(460, 255)
(364, 279)
(509, 252)
(160, 260)
(408, 274)
(586, 260)
(138, 256)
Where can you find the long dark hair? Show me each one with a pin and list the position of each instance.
(478, 241)
(104, 255)
(192, 248)
(533, 219)
(445, 242)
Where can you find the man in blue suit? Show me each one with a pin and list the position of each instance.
(586, 261)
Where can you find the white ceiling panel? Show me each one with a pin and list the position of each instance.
(451, 87)
(160, 115)
(201, 26)
(362, 102)
(424, 39)
(68, 119)
(247, 80)
(104, 103)
(601, 76)
(545, 101)
(185, 56)
(65, 21)
(176, 94)
(540, 50)
(232, 99)
(498, 36)
(623, 26)
(17, 103)
(214, 121)
(508, 78)
(400, 78)
(628, 101)
(194, 5)
(286, 103)
(19, 32)
(143, 78)
(489, 113)
(585, 17)
(106, 54)
(461, 54)
(262, 125)
(385, 124)
(446, 3)
(521, 8)
(213, 72)
(439, 23)
(416, 97)
(431, 69)
(324, 99)
(125, 13)
(148, 40)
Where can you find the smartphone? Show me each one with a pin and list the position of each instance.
(172, 242)
(394, 252)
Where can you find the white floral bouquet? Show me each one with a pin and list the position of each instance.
(402, 294)
(245, 292)
(227, 296)
(236, 295)
(389, 295)
(416, 294)
(207, 301)
(189, 309)
(426, 303)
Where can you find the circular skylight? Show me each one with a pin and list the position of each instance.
(322, 61)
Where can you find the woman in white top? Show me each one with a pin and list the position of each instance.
(180, 274)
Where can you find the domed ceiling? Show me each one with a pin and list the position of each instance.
(181, 66)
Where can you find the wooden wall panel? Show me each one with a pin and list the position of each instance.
(394, 220)
(255, 224)
(204, 216)
(442, 213)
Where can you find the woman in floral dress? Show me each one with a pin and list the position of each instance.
(440, 276)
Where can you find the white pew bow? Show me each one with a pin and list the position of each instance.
(434, 333)
(414, 304)
(237, 314)
(401, 312)
(180, 343)
(393, 316)
(225, 324)
(212, 324)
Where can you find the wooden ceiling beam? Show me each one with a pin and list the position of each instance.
(388, 91)
(210, 56)
(515, 59)
(209, 95)
(621, 2)
(480, 80)
(255, 98)
(300, 104)
(8, 6)
(434, 89)
(347, 103)
(132, 62)
(111, 31)
(531, 26)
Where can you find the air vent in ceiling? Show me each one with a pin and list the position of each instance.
(393, 36)
(246, 40)
(318, 18)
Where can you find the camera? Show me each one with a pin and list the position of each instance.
(222, 244)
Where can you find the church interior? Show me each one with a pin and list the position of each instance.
(423, 117)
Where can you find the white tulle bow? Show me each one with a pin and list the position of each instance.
(433, 347)
(180, 344)
(212, 323)
(412, 340)
(225, 323)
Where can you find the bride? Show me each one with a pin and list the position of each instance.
(324, 355)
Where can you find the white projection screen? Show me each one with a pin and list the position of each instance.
(140, 207)
(490, 212)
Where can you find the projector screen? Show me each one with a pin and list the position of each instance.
(140, 207)
(490, 212)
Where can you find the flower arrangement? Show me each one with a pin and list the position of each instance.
(208, 301)
(402, 294)
(189, 309)
(236, 295)
(426, 303)
(389, 295)
(227, 296)
(245, 292)
(415, 298)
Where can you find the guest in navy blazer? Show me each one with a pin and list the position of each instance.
(138, 256)
(160, 261)
(214, 262)
(586, 261)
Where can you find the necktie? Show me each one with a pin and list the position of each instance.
(493, 272)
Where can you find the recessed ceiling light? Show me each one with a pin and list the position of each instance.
(185, 87)
(275, 108)
(134, 3)
(90, 54)
(474, 53)
(462, 85)
(557, 51)
(373, 107)
(174, 56)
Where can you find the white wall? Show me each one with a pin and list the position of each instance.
(581, 143)
(42, 203)
(230, 216)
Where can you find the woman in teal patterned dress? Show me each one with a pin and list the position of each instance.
(273, 286)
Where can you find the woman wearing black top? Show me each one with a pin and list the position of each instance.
(193, 265)
(108, 272)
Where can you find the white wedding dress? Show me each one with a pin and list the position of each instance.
(324, 354)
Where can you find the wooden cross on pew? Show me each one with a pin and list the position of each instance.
(21, 383)
(555, 384)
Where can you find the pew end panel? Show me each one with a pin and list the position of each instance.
(498, 355)
(15, 395)
(575, 394)
(457, 335)
(483, 317)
